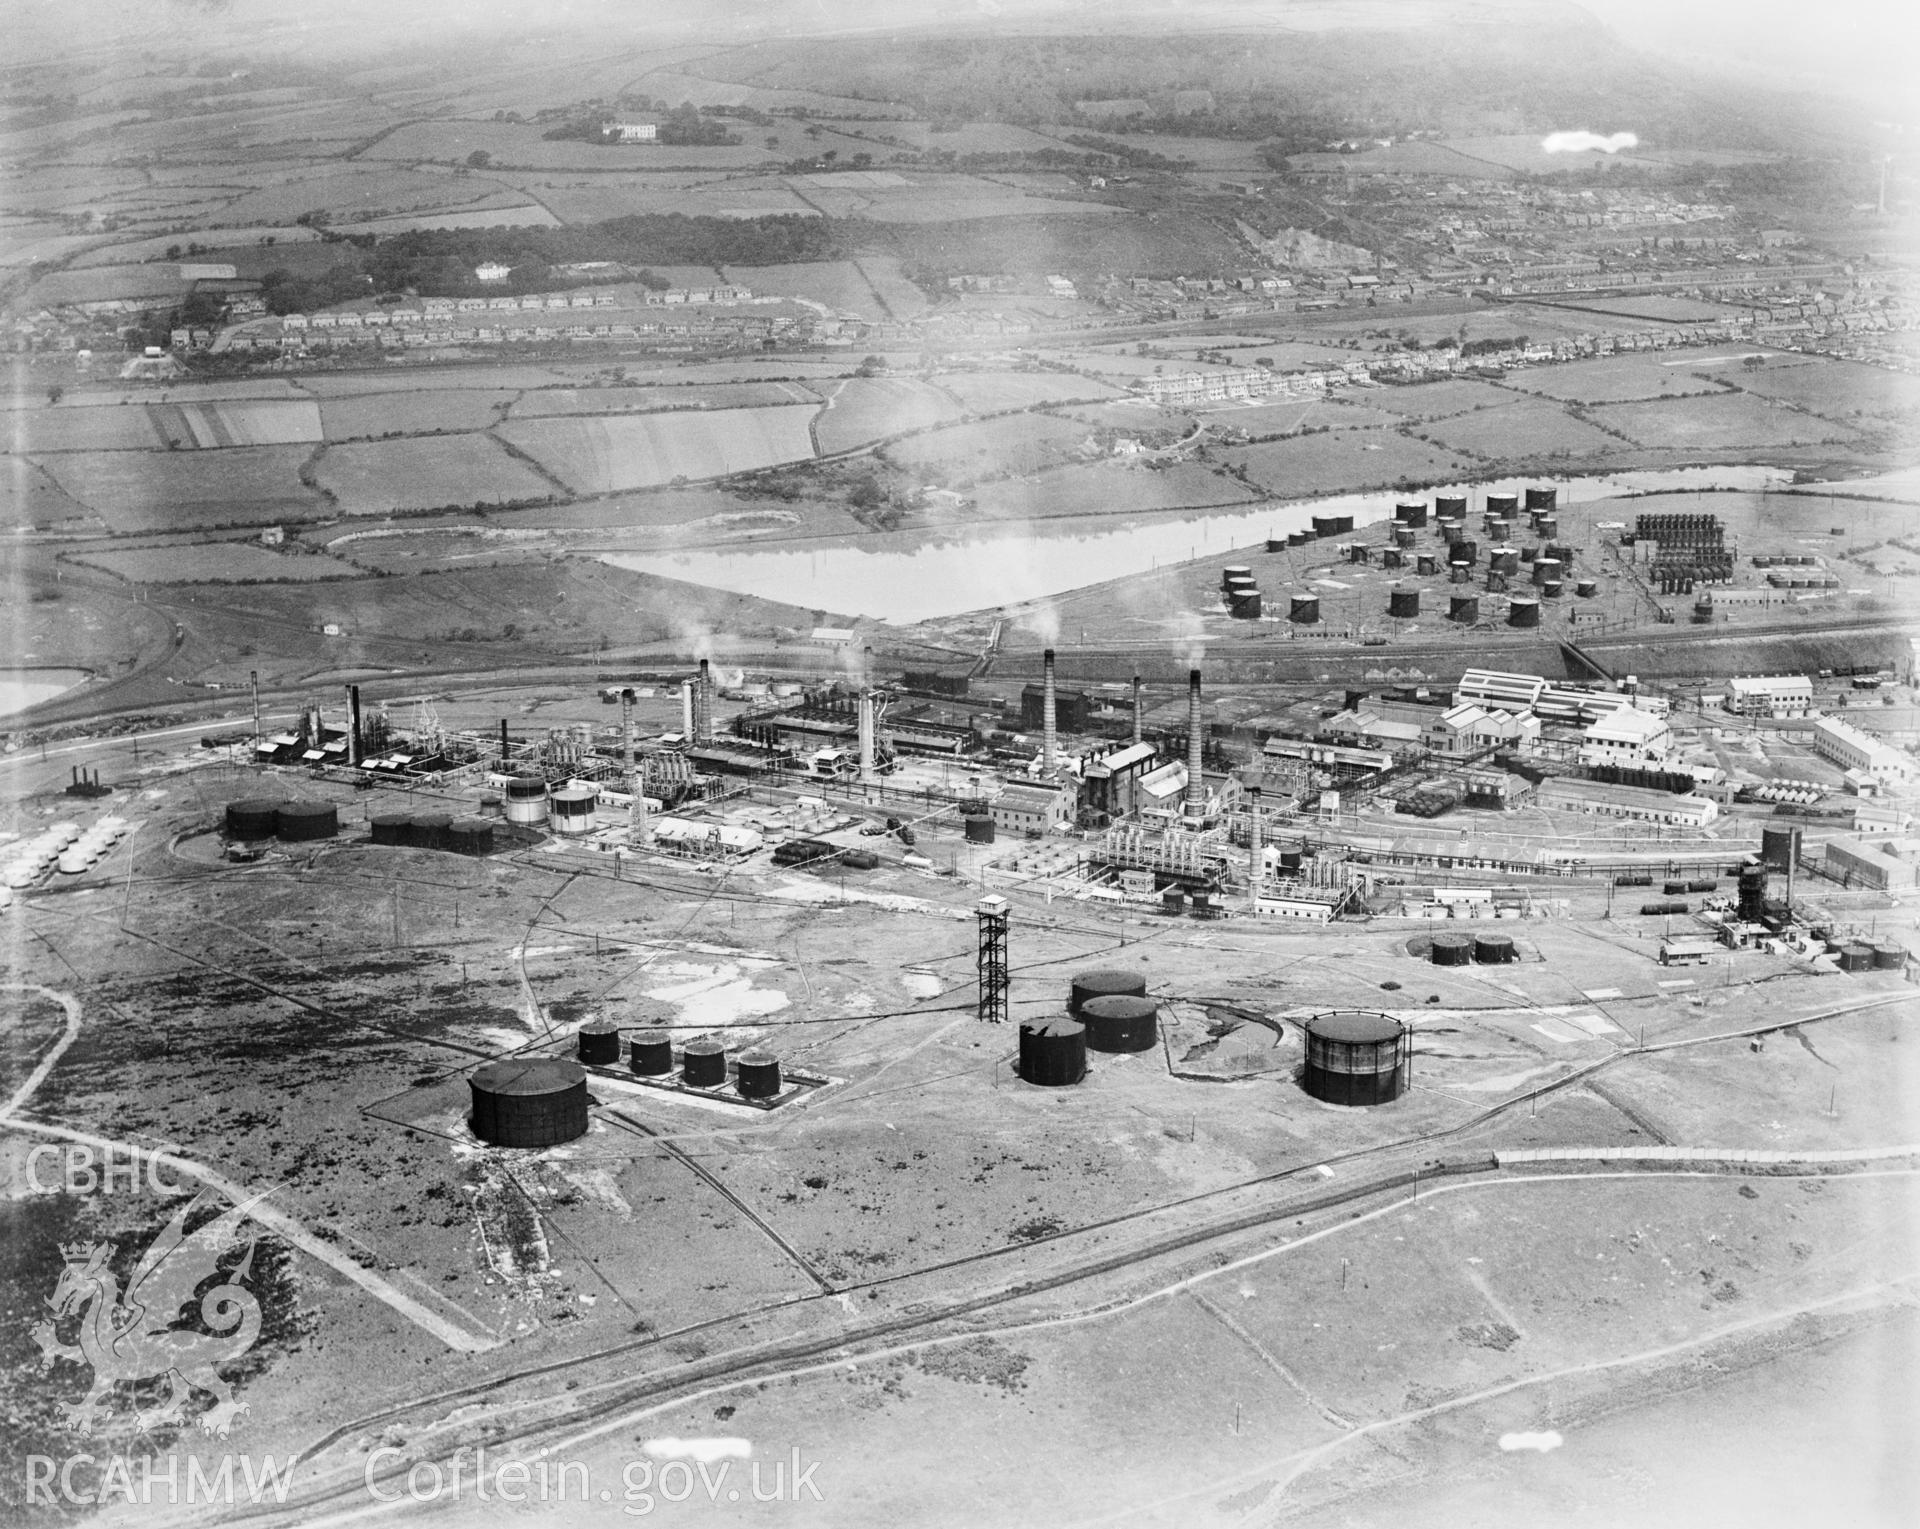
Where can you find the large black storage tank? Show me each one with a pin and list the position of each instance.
(1889, 955)
(1856, 956)
(257, 818)
(1104, 984)
(1450, 506)
(704, 1063)
(529, 1102)
(1523, 612)
(650, 1054)
(431, 830)
(1235, 573)
(1304, 609)
(1246, 607)
(1120, 1023)
(1325, 525)
(1464, 609)
(600, 1042)
(1542, 498)
(471, 836)
(1357, 1057)
(1546, 569)
(1494, 949)
(1403, 602)
(1427, 562)
(1504, 505)
(390, 827)
(1173, 902)
(1452, 949)
(979, 829)
(299, 822)
(1053, 1052)
(1413, 516)
(1393, 557)
(757, 1074)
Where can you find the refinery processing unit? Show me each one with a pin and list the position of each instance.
(880, 1003)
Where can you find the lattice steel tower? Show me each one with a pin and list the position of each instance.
(994, 982)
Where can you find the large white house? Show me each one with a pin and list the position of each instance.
(1628, 737)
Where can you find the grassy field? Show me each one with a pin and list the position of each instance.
(1437, 400)
(996, 448)
(237, 422)
(1617, 379)
(1528, 428)
(379, 414)
(653, 400)
(608, 197)
(350, 196)
(837, 283)
(992, 392)
(1106, 488)
(603, 455)
(29, 497)
(864, 409)
(218, 562)
(177, 490)
(1835, 390)
(1128, 246)
(1350, 459)
(433, 379)
(70, 428)
(424, 473)
(1727, 420)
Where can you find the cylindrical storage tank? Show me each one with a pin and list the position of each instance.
(1290, 856)
(600, 1042)
(1342, 524)
(1357, 1057)
(1889, 955)
(1779, 847)
(1108, 983)
(298, 822)
(1494, 949)
(1236, 573)
(1412, 516)
(390, 827)
(1499, 529)
(1403, 602)
(757, 1074)
(1324, 525)
(1246, 607)
(529, 1102)
(1276, 544)
(1459, 573)
(979, 830)
(1299, 538)
(526, 799)
(1545, 568)
(1119, 1023)
(571, 809)
(430, 830)
(1542, 498)
(1464, 551)
(1506, 505)
(1452, 531)
(1427, 563)
(1359, 552)
(490, 804)
(1393, 557)
(1203, 904)
(1304, 609)
(1053, 1052)
(1451, 506)
(650, 1053)
(1528, 554)
(1703, 611)
(1452, 949)
(1464, 609)
(1548, 527)
(257, 818)
(1586, 589)
(472, 836)
(1522, 611)
(1856, 956)
(1553, 589)
(1403, 536)
(1173, 901)
(1496, 582)
(704, 1063)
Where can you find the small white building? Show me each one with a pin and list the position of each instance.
(632, 132)
(1635, 803)
(1854, 748)
(1030, 807)
(1628, 737)
(1770, 695)
(492, 270)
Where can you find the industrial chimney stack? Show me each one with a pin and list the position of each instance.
(865, 703)
(353, 725)
(1136, 709)
(1049, 732)
(1256, 850)
(1195, 805)
(703, 705)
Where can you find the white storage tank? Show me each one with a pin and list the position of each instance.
(526, 799)
(571, 809)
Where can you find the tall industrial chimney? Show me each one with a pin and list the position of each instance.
(1049, 732)
(506, 751)
(686, 710)
(1195, 805)
(863, 700)
(626, 732)
(353, 725)
(1256, 850)
(1136, 709)
(703, 705)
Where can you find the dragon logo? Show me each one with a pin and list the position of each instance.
(133, 1337)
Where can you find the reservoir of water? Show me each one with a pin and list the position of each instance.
(909, 578)
(21, 688)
